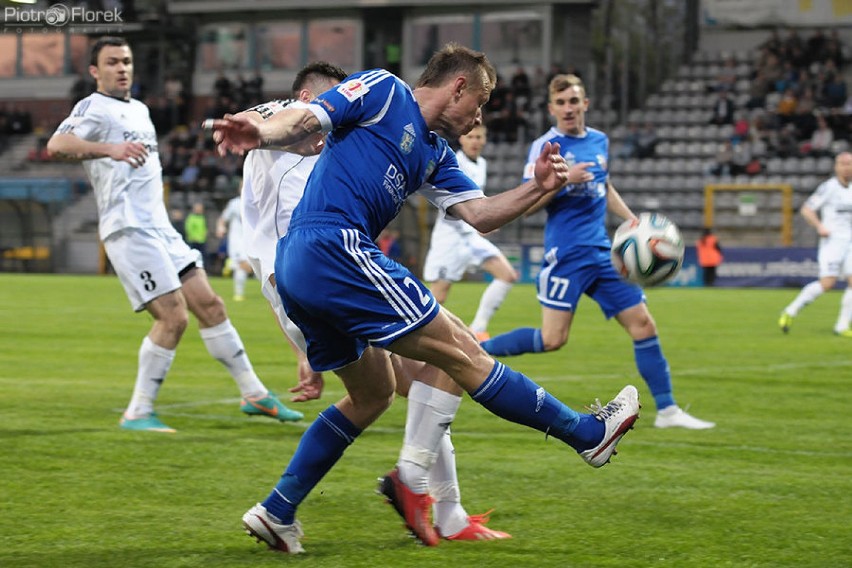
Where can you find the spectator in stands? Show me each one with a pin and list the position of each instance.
(834, 90)
(723, 109)
(195, 227)
(222, 86)
(520, 83)
(647, 143)
(726, 79)
(787, 106)
(724, 160)
(821, 139)
(785, 143)
(510, 122)
(190, 174)
(630, 144)
(814, 46)
(758, 89)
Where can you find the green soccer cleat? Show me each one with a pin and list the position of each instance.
(148, 423)
(844, 333)
(785, 321)
(269, 405)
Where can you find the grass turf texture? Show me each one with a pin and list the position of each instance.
(770, 486)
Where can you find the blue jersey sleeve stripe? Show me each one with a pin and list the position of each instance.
(382, 112)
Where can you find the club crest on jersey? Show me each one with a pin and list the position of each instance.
(408, 136)
(601, 161)
(570, 159)
(353, 89)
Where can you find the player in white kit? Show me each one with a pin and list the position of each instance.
(829, 211)
(230, 225)
(456, 246)
(113, 136)
(273, 184)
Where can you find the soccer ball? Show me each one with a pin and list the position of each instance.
(647, 252)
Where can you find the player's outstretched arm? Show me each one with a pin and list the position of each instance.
(551, 174)
(73, 149)
(240, 133)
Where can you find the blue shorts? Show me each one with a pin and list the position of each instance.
(343, 293)
(584, 270)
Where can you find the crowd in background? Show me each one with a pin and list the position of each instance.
(797, 103)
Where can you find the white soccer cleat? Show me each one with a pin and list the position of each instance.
(285, 538)
(675, 417)
(618, 417)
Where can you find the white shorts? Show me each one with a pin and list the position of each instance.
(149, 262)
(236, 250)
(835, 257)
(451, 257)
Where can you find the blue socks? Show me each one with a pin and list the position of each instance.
(515, 342)
(322, 444)
(511, 395)
(654, 369)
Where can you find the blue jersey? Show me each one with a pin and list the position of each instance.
(374, 159)
(576, 216)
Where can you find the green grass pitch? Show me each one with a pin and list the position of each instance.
(770, 486)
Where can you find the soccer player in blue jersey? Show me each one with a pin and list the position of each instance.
(348, 298)
(577, 259)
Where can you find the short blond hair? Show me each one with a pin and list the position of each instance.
(565, 81)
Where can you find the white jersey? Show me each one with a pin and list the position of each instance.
(273, 184)
(127, 197)
(833, 201)
(446, 231)
(232, 216)
(455, 245)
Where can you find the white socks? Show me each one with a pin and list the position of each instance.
(154, 364)
(240, 277)
(845, 316)
(808, 294)
(447, 512)
(430, 413)
(491, 299)
(224, 344)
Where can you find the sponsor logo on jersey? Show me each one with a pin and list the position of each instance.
(353, 89)
(147, 138)
(394, 184)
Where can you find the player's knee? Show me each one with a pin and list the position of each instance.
(553, 342)
(211, 311)
(176, 321)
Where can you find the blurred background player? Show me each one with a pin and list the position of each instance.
(829, 211)
(577, 256)
(114, 137)
(274, 182)
(230, 226)
(456, 246)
